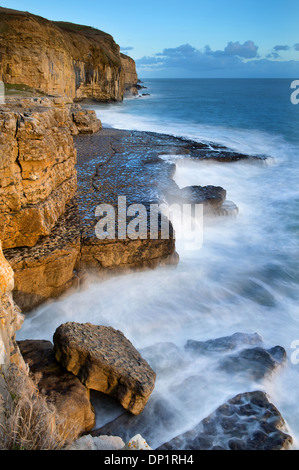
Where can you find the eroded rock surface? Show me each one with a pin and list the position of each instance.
(249, 421)
(60, 58)
(105, 360)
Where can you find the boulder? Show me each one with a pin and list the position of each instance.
(105, 360)
(97, 443)
(86, 121)
(240, 353)
(256, 362)
(249, 421)
(69, 396)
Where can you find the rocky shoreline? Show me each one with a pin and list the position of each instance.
(49, 195)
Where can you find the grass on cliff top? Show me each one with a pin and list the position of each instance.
(19, 89)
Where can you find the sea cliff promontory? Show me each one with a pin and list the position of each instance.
(60, 58)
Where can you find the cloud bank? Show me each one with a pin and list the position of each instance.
(235, 60)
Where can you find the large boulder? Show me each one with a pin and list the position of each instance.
(105, 360)
(69, 396)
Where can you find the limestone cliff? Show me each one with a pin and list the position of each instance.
(11, 318)
(37, 171)
(61, 58)
(130, 75)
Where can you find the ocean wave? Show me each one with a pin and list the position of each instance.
(251, 142)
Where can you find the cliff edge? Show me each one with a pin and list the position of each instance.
(59, 58)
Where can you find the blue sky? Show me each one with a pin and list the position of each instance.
(191, 38)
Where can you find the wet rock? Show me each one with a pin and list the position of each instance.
(70, 397)
(224, 344)
(227, 209)
(249, 421)
(105, 360)
(212, 197)
(255, 362)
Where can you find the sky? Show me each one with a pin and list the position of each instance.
(191, 38)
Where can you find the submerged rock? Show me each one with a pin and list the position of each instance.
(105, 360)
(227, 209)
(224, 344)
(240, 353)
(255, 362)
(246, 422)
(212, 197)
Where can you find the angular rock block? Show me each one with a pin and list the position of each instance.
(105, 360)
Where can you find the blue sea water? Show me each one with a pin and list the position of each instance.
(245, 278)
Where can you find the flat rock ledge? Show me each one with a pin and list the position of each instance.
(105, 360)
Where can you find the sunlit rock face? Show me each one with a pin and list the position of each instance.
(60, 58)
(11, 318)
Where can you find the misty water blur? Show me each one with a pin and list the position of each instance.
(244, 278)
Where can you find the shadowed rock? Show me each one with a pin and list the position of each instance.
(63, 389)
(105, 360)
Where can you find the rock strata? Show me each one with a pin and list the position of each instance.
(105, 360)
(37, 173)
(53, 244)
(11, 319)
(59, 58)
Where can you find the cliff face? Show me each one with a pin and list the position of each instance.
(11, 318)
(37, 172)
(130, 75)
(60, 58)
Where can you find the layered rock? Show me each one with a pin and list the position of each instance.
(60, 58)
(37, 174)
(105, 360)
(11, 319)
(130, 75)
(48, 269)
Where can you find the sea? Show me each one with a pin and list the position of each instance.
(244, 278)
